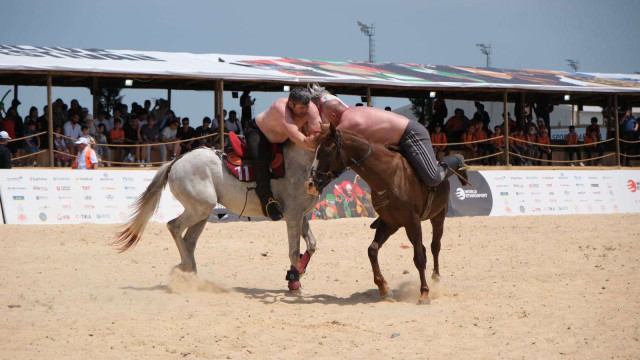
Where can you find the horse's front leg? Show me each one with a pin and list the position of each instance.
(308, 237)
(383, 232)
(294, 231)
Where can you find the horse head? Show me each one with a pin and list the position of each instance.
(324, 168)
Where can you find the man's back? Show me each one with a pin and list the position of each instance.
(375, 125)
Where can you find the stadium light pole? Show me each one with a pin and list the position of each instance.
(486, 50)
(574, 64)
(370, 32)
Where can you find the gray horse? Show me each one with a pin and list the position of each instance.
(199, 180)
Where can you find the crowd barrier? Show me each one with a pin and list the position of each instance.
(63, 196)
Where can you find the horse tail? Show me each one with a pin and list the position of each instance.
(145, 207)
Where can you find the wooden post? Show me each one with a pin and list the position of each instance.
(368, 96)
(220, 95)
(506, 129)
(169, 98)
(615, 109)
(95, 97)
(573, 114)
(15, 91)
(50, 119)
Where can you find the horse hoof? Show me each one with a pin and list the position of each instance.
(424, 302)
(389, 299)
(435, 277)
(185, 268)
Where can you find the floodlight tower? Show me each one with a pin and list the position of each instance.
(574, 64)
(370, 32)
(486, 50)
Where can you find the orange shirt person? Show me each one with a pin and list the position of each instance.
(439, 139)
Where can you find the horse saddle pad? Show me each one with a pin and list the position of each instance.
(240, 164)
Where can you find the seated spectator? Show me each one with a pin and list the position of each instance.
(470, 148)
(150, 135)
(517, 148)
(592, 148)
(530, 124)
(101, 140)
(204, 130)
(102, 119)
(87, 135)
(497, 146)
(132, 136)
(572, 138)
(543, 145)
(594, 127)
(628, 132)
(533, 150)
(542, 126)
(232, 124)
(31, 145)
(483, 147)
(72, 129)
(512, 123)
(116, 136)
(186, 132)
(59, 144)
(439, 142)
(169, 135)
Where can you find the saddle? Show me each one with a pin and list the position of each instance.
(240, 164)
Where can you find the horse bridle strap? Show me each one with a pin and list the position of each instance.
(339, 151)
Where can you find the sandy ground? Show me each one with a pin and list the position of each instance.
(561, 287)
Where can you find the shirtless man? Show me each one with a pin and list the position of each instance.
(388, 128)
(282, 121)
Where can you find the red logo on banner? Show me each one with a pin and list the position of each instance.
(632, 186)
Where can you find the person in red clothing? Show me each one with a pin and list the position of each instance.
(439, 141)
(496, 146)
(481, 134)
(471, 148)
(543, 145)
(454, 127)
(572, 138)
(591, 148)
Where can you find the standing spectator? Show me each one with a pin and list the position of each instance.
(512, 123)
(246, 102)
(594, 127)
(186, 132)
(572, 138)
(151, 136)
(31, 145)
(132, 136)
(454, 126)
(481, 115)
(204, 130)
(543, 108)
(591, 148)
(440, 111)
(101, 140)
(168, 135)
(5, 153)
(117, 136)
(86, 158)
(628, 132)
(60, 145)
(439, 141)
(533, 150)
(543, 143)
(496, 146)
(9, 124)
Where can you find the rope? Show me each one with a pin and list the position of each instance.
(560, 146)
(629, 156)
(29, 136)
(560, 161)
(630, 141)
(468, 142)
(140, 145)
(485, 157)
(28, 155)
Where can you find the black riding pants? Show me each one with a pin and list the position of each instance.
(260, 151)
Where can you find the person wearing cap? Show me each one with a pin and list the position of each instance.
(86, 158)
(5, 153)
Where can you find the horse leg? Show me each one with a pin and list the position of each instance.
(176, 227)
(383, 232)
(294, 232)
(308, 237)
(414, 233)
(191, 239)
(437, 223)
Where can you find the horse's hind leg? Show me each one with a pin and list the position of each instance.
(383, 232)
(308, 237)
(193, 221)
(437, 223)
(414, 232)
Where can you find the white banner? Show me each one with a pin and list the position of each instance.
(31, 196)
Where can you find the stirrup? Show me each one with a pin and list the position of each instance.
(276, 209)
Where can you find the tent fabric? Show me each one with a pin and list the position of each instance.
(298, 70)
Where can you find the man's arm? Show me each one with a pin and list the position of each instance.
(294, 133)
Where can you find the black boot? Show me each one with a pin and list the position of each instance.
(456, 163)
(273, 210)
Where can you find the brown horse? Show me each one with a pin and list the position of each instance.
(398, 196)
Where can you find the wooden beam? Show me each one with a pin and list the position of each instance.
(220, 95)
(506, 128)
(615, 109)
(50, 119)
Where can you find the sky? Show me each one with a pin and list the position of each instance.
(603, 35)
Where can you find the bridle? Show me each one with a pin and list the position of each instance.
(330, 176)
